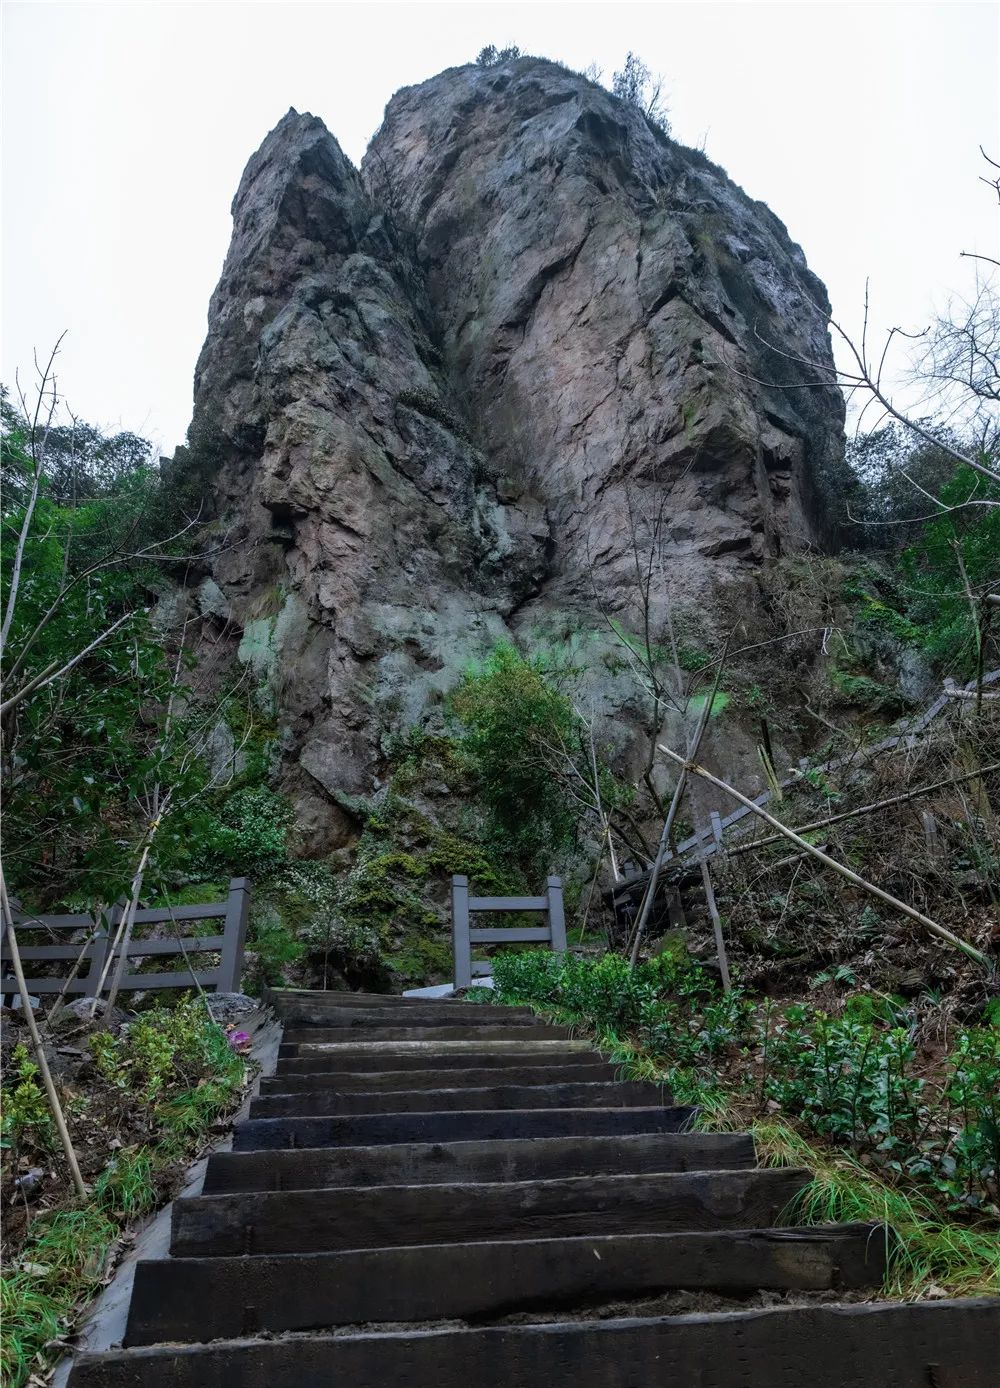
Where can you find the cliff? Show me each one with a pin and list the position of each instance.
(445, 399)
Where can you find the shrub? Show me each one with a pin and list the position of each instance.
(246, 835)
(167, 1051)
(852, 1079)
(635, 84)
(25, 1107)
(516, 723)
(491, 56)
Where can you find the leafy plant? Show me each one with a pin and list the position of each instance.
(166, 1051)
(515, 723)
(25, 1108)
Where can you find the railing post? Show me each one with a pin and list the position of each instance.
(101, 944)
(234, 935)
(557, 917)
(461, 944)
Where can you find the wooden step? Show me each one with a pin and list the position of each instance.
(346, 1051)
(362, 1130)
(516, 1159)
(281, 999)
(329, 1101)
(537, 1031)
(938, 1344)
(200, 1299)
(352, 1059)
(316, 1221)
(434, 1014)
(347, 1081)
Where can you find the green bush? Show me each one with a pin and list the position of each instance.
(167, 1051)
(177, 1065)
(848, 1079)
(515, 724)
(853, 1079)
(25, 1107)
(245, 836)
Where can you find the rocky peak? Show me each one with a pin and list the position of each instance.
(433, 394)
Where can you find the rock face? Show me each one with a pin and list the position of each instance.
(439, 397)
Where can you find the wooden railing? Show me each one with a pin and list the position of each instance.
(553, 933)
(92, 953)
(708, 841)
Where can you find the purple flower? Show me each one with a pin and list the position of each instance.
(239, 1040)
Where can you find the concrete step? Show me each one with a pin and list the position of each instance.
(200, 1299)
(947, 1344)
(317, 1221)
(357, 1060)
(516, 1159)
(316, 1102)
(347, 1081)
(362, 1130)
(344, 1035)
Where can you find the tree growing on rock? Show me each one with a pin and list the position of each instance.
(635, 84)
(491, 56)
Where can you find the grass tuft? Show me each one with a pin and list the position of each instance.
(927, 1253)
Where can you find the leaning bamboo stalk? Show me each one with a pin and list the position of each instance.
(932, 926)
(989, 601)
(668, 824)
(864, 809)
(713, 911)
(36, 1041)
(57, 1006)
(128, 920)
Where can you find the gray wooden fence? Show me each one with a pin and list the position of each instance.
(553, 933)
(97, 943)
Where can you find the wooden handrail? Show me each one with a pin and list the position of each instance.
(229, 945)
(553, 933)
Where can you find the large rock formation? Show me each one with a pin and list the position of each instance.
(439, 396)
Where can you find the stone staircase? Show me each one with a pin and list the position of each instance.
(438, 1194)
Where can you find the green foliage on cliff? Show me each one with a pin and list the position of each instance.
(516, 728)
(939, 535)
(80, 749)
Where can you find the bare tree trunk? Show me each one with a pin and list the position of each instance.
(128, 920)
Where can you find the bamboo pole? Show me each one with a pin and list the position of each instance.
(865, 809)
(713, 911)
(128, 923)
(36, 1041)
(932, 926)
(668, 823)
(57, 1006)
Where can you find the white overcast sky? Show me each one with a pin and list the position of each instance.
(126, 128)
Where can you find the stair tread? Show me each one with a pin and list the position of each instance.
(479, 1077)
(600, 1094)
(206, 1298)
(828, 1346)
(387, 1215)
(497, 1159)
